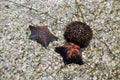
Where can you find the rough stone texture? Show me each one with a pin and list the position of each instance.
(24, 59)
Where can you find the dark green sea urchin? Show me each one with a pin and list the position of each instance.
(78, 33)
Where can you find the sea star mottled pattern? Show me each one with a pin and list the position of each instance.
(71, 53)
(42, 35)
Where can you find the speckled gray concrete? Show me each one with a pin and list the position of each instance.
(24, 59)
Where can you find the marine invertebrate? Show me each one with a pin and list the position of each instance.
(71, 53)
(42, 35)
(78, 33)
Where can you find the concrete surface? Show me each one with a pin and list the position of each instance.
(24, 59)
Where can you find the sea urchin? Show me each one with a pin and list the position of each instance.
(78, 33)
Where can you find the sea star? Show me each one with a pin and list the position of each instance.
(71, 53)
(42, 35)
